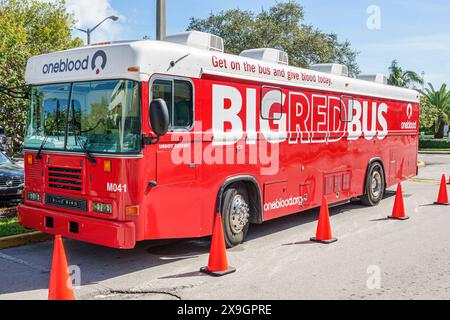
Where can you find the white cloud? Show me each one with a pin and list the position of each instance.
(90, 12)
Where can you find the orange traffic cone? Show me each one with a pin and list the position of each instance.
(218, 262)
(443, 194)
(398, 212)
(60, 287)
(324, 234)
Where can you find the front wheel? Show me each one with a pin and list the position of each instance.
(375, 185)
(235, 215)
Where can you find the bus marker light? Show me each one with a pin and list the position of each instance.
(30, 160)
(134, 69)
(107, 166)
(132, 211)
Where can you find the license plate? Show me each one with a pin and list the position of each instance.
(66, 203)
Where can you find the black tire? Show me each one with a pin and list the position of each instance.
(235, 213)
(375, 186)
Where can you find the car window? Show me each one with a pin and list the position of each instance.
(4, 159)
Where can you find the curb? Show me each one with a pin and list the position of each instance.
(434, 152)
(23, 239)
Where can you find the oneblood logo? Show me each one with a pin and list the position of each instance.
(97, 63)
(100, 54)
(409, 125)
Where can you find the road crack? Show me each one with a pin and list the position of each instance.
(141, 292)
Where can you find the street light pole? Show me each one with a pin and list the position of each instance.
(88, 31)
(423, 79)
(160, 19)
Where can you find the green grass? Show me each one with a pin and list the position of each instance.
(11, 227)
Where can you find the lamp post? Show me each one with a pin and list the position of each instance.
(160, 19)
(423, 79)
(90, 30)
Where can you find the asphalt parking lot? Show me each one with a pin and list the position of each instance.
(374, 259)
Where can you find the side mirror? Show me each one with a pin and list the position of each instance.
(159, 117)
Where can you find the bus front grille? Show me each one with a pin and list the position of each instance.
(65, 179)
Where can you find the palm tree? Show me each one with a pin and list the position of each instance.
(404, 79)
(441, 101)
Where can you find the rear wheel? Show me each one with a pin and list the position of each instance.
(235, 215)
(375, 185)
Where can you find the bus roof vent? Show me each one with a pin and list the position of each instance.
(332, 68)
(267, 54)
(377, 77)
(197, 39)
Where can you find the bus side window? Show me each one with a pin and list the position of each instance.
(183, 112)
(347, 108)
(163, 89)
(178, 95)
(271, 103)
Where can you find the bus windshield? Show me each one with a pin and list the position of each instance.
(102, 117)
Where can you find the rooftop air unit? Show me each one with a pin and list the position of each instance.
(377, 77)
(197, 39)
(268, 55)
(332, 68)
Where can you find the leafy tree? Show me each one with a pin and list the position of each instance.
(280, 27)
(27, 28)
(428, 116)
(403, 78)
(437, 105)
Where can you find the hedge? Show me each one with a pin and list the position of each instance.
(434, 143)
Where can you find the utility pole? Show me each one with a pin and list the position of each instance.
(423, 80)
(160, 19)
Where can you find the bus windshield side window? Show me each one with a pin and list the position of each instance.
(178, 96)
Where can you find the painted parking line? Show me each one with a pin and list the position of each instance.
(23, 263)
(425, 181)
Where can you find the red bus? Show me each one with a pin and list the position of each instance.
(146, 140)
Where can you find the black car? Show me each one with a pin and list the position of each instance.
(11, 180)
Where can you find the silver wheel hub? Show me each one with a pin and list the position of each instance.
(376, 184)
(240, 213)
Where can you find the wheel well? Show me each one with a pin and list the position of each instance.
(372, 161)
(254, 194)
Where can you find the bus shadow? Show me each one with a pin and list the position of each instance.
(27, 268)
(302, 218)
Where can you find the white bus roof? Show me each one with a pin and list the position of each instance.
(139, 60)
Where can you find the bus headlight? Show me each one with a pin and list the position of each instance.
(102, 208)
(33, 196)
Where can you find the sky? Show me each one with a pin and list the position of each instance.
(415, 32)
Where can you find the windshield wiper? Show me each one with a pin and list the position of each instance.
(41, 148)
(89, 156)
